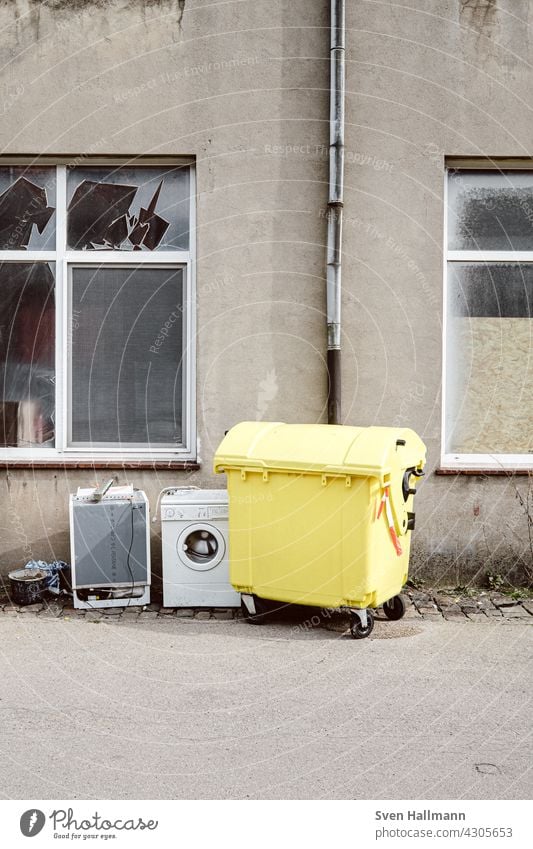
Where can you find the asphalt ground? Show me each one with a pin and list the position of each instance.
(154, 706)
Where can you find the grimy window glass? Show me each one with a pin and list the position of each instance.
(126, 356)
(489, 340)
(490, 211)
(490, 367)
(27, 355)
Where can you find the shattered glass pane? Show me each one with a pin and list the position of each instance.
(128, 208)
(127, 356)
(490, 210)
(27, 355)
(27, 207)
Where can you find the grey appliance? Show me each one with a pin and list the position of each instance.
(110, 547)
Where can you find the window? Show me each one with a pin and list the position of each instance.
(488, 362)
(96, 322)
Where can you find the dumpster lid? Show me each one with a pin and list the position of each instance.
(333, 449)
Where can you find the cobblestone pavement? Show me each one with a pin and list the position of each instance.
(481, 607)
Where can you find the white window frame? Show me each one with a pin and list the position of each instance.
(473, 462)
(63, 259)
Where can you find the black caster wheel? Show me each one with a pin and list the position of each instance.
(358, 631)
(261, 612)
(395, 608)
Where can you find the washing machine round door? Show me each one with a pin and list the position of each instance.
(201, 546)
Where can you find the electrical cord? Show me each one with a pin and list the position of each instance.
(169, 489)
(128, 564)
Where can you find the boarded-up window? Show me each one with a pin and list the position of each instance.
(489, 339)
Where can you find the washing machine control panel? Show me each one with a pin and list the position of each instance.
(195, 511)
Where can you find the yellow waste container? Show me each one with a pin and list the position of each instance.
(320, 515)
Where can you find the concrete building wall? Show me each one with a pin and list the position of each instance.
(244, 87)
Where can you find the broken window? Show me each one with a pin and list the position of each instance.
(95, 347)
(27, 207)
(139, 209)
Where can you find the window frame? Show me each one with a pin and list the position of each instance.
(473, 462)
(63, 260)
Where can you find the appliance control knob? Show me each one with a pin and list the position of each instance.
(169, 513)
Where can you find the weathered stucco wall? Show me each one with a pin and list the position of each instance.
(230, 83)
(244, 87)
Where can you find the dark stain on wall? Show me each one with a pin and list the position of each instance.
(66, 9)
(79, 5)
(479, 13)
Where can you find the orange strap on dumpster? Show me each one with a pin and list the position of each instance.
(385, 503)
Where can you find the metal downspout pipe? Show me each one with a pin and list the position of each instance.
(335, 207)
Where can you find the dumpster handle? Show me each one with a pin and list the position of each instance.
(407, 489)
(385, 503)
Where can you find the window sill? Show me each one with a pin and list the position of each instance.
(484, 472)
(150, 465)
(485, 464)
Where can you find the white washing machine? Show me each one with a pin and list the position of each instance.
(194, 528)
